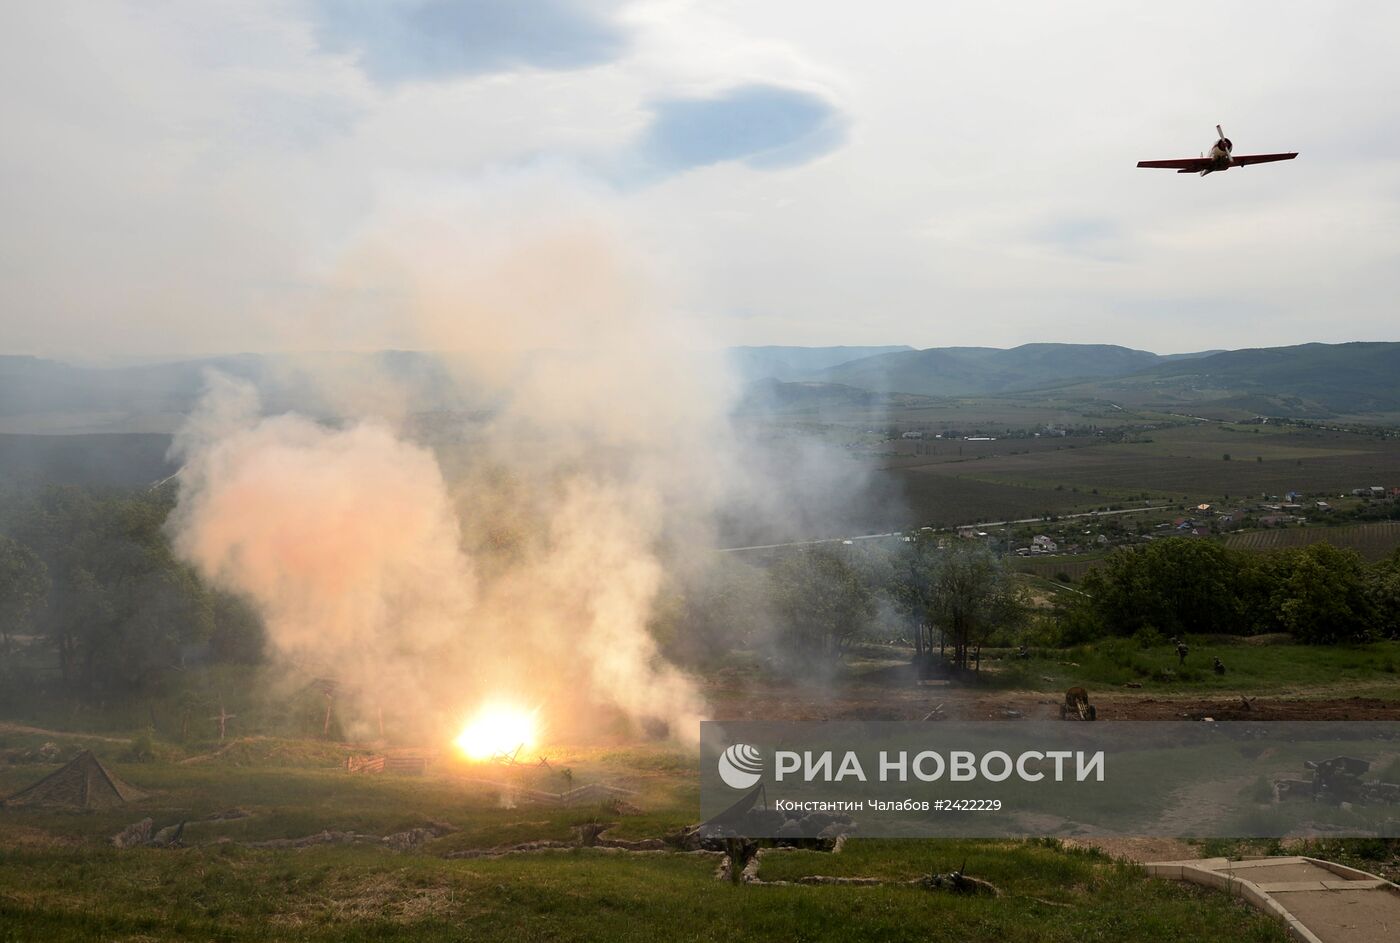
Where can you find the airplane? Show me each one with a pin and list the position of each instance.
(1220, 158)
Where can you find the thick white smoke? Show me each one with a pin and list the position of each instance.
(521, 555)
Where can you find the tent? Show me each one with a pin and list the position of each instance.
(83, 783)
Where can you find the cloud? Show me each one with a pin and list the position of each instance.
(409, 40)
(764, 126)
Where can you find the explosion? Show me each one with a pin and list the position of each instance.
(498, 730)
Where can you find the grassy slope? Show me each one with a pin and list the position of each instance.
(370, 894)
(1282, 669)
(60, 881)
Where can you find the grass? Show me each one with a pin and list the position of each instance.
(361, 893)
(1277, 668)
(60, 880)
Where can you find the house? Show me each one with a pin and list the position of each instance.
(1323, 506)
(912, 435)
(1377, 491)
(1043, 544)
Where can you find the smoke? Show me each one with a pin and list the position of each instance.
(428, 560)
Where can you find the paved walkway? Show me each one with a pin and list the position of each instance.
(1319, 901)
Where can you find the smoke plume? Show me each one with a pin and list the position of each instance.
(428, 558)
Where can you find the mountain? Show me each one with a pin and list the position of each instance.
(970, 371)
(788, 363)
(799, 396)
(1305, 380)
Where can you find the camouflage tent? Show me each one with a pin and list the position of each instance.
(84, 783)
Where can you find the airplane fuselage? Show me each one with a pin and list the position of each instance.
(1219, 156)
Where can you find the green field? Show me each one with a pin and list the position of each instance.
(952, 482)
(59, 880)
(1374, 541)
(1271, 665)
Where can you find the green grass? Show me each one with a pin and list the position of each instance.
(361, 893)
(60, 880)
(1280, 668)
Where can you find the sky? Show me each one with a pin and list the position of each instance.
(206, 178)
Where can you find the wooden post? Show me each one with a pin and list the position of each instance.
(223, 717)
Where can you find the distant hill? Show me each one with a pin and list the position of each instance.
(1307, 380)
(966, 371)
(123, 460)
(788, 363)
(776, 396)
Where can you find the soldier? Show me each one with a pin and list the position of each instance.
(1218, 665)
(1181, 651)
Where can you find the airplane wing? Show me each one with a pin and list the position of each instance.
(1183, 165)
(1259, 158)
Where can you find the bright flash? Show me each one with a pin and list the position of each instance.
(497, 730)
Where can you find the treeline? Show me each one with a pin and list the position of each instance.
(93, 599)
(804, 610)
(1317, 594)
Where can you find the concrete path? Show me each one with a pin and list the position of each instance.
(1318, 901)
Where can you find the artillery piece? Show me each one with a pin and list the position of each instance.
(1077, 705)
(1337, 780)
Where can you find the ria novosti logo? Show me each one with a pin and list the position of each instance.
(741, 766)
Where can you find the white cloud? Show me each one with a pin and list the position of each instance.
(182, 180)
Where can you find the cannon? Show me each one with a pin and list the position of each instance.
(1077, 705)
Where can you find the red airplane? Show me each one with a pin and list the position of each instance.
(1220, 159)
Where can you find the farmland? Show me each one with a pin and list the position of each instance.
(951, 482)
(1373, 540)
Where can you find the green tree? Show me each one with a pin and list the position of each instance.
(1384, 591)
(821, 603)
(24, 585)
(120, 606)
(1177, 585)
(1324, 597)
(961, 592)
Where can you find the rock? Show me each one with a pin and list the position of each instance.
(409, 840)
(168, 837)
(137, 833)
(790, 829)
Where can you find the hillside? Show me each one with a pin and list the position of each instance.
(1307, 380)
(789, 363)
(776, 396)
(965, 371)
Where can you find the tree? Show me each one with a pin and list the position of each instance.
(963, 592)
(24, 584)
(1177, 585)
(821, 603)
(1324, 596)
(120, 607)
(1384, 592)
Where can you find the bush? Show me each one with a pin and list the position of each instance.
(142, 749)
(1149, 637)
